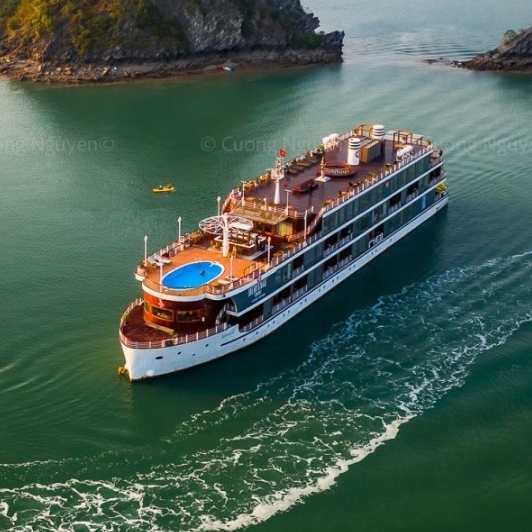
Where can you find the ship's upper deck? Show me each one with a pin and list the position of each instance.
(322, 175)
(295, 195)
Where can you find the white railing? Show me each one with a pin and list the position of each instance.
(135, 303)
(170, 341)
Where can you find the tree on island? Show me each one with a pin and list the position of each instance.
(510, 35)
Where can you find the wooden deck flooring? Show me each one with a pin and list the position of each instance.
(203, 250)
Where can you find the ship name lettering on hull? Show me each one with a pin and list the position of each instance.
(257, 289)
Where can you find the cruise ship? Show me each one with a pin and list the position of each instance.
(276, 244)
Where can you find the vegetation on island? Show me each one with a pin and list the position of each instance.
(513, 55)
(88, 27)
(510, 35)
(115, 30)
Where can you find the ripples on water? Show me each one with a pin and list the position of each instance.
(260, 452)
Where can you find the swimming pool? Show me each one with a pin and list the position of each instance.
(192, 275)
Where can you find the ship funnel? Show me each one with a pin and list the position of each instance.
(377, 132)
(353, 151)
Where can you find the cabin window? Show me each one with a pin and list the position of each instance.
(349, 211)
(422, 165)
(435, 173)
(401, 178)
(163, 313)
(299, 262)
(341, 215)
(345, 232)
(309, 255)
(287, 272)
(395, 200)
(284, 274)
(378, 192)
(345, 254)
(379, 213)
(410, 173)
(407, 214)
(333, 220)
(284, 229)
(364, 201)
(190, 315)
(314, 277)
(386, 190)
(374, 196)
(330, 222)
(146, 306)
(299, 284)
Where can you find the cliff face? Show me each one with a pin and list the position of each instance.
(513, 56)
(110, 33)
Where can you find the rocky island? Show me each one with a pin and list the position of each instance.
(79, 41)
(513, 55)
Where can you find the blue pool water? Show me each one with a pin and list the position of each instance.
(192, 275)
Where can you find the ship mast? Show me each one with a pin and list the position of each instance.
(225, 235)
(277, 175)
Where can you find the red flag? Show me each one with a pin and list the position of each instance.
(282, 153)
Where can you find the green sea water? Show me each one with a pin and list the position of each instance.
(401, 401)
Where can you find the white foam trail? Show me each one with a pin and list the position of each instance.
(281, 501)
(293, 436)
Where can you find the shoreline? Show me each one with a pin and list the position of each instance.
(101, 73)
(484, 65)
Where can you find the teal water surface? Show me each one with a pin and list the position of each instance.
(401, 401)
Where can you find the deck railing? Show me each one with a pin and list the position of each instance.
(176, 340)
(135, 303)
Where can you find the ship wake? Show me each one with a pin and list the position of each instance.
(262, 452)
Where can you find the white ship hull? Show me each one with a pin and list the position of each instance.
(151, 362)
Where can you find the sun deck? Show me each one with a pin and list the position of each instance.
(258, 194)
(201, 247)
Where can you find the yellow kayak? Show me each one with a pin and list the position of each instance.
(166, 188)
